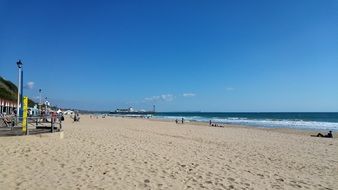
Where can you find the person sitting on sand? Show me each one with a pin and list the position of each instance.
(329, 135)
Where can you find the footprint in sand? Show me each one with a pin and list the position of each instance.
(231, 179)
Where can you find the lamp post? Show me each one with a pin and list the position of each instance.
(40, 100)
(19, 64)
(46, 106)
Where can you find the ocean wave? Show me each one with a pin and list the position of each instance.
(267, 123)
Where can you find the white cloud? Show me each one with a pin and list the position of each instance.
(230, 89)
(163, 97)
(189, 94)
(29, 85)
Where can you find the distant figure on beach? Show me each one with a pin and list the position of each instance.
(76, 117)
(329, 135)
(210, 123)
(182, 120)
(176, 121)
(61, 117)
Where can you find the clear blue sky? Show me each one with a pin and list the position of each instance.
(180, 55)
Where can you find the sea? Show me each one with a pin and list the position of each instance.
(307, 121)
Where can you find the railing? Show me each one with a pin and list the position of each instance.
(40, 122)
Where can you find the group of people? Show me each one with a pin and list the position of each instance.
(182, 121)
(94, 116)
(214, 124)
(97, 116)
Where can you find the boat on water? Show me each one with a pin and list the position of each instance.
(131, 111)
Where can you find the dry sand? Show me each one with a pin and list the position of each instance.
(120, 153)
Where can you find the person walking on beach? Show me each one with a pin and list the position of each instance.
(182, 120)
(176, 121)
(210, 123)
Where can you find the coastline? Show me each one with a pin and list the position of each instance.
(124, 153)
(303, 132)
(296, 120)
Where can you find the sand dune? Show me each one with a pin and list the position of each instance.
(119, 153)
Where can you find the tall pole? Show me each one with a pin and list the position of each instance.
(18, 103)
(19, 64)
(46, 106)
(40, 101)
(21, 94)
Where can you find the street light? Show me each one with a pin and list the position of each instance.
(40, 100)
(46, 106)
(19, 64)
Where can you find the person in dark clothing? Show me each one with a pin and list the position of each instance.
(182, 120)
(210, 122)
(329, 135)
(176, 121)
(75, 119)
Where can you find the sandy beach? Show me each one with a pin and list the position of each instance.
(121, 153)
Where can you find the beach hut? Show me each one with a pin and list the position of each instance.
(7, 106)
(1, 105)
